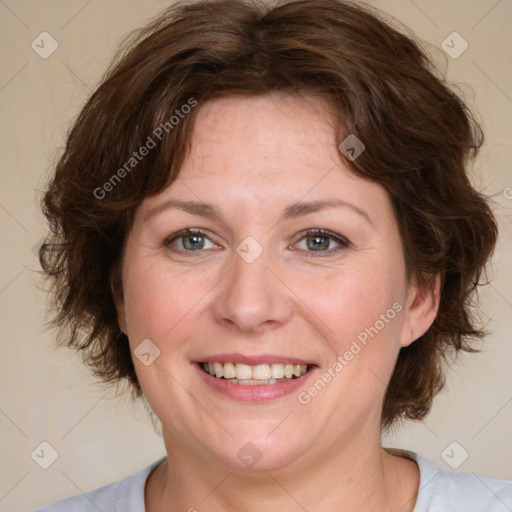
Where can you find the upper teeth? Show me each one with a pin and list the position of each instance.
(256, 372)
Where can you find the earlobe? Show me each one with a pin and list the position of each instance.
(121, 317)
(421, 310)
(119, 304)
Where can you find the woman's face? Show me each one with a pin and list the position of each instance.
(255, 292)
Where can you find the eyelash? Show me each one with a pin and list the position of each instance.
(343, 242)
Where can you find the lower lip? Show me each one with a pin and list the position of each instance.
(254, 393)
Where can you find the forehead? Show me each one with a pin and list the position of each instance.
(254, 153)
(270, 127)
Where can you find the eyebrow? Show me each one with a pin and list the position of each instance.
(291, 212)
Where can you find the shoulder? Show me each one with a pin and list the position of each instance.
(126, 495)
(103, 498)
(465, 492)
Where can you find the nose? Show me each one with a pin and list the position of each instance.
(253, 297)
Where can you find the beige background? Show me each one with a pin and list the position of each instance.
(45, 393)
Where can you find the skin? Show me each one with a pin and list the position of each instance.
(252, 157)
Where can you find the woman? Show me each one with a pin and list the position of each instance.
(262, 221)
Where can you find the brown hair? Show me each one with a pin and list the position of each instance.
(418, 136)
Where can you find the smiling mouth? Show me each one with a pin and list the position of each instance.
(255, 375)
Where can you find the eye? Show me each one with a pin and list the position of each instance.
(319, 240)
(190, 240)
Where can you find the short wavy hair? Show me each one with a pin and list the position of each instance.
(381, 86)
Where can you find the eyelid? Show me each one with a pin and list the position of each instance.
(343, 242)
(326, 232)
(187, 231)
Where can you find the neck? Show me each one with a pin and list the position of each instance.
(357, 476)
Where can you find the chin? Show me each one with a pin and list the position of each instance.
(265, 449)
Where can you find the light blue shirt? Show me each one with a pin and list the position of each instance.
(439, 491)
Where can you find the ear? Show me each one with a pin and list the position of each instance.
(421, 310)
(121, 316)
(117, 296)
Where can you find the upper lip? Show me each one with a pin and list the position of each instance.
(253, 360)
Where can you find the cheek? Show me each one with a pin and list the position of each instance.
(363, 312)
(356, 300)
(158, 297)
(159, 305)
(359, 311)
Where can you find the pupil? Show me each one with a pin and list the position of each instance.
(321, 245)
(195, 238)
